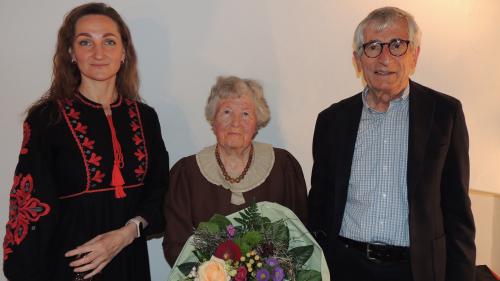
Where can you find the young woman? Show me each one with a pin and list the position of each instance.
(93, 168)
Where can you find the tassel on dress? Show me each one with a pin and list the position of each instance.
(116, 178)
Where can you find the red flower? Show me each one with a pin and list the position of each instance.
(228, 251)
(241, 274)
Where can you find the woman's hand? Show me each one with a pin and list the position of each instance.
(99, 251)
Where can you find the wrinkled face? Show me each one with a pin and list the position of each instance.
(235, 122)
(97, 48)
(387, 73)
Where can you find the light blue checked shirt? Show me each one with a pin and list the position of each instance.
(377, 204)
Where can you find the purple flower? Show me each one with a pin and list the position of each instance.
(272, 262)
(278, 274)
(230, 230)
(262, 275)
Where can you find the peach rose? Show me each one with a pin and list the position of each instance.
(213, 270)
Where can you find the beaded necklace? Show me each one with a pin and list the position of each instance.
(224, 172)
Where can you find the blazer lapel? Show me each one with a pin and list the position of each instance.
(348, 120)
(348, 132)
(422, 108)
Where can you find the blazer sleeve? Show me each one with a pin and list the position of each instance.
(33, 207)
(456, 206)
(318, 203)
(156, 181)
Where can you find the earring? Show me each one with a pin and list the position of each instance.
(123, 61)
(73, 61)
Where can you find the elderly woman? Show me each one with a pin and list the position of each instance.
(93, 169)
(228, 176)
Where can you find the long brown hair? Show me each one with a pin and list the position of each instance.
(66, 76)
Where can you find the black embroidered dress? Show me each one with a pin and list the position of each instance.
(63, 195)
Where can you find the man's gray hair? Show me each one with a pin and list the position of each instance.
(380, 19)
(232, 86)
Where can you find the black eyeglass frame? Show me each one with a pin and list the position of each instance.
(388, 46)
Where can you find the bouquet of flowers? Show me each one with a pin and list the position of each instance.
(264, 242)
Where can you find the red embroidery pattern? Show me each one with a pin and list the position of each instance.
(91, 159)
(7, 242)
(23, 210)
(94, 159)
(86, 145)
(141, 152)
(74, 114)
(98, 176)
(26, 138)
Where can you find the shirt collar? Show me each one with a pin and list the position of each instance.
(403, 98)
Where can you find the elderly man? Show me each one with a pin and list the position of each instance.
(389, 197)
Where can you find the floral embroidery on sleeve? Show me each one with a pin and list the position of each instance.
(23, 210)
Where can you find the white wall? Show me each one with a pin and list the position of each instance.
(299, 50)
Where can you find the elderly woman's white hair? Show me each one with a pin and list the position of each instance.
(380, 19)
(232, 86)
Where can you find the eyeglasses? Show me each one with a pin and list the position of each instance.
(397, 47)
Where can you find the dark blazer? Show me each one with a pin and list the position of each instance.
(440, 217)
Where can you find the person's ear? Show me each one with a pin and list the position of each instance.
(72, 55)
(357, 62)
(415, 57)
